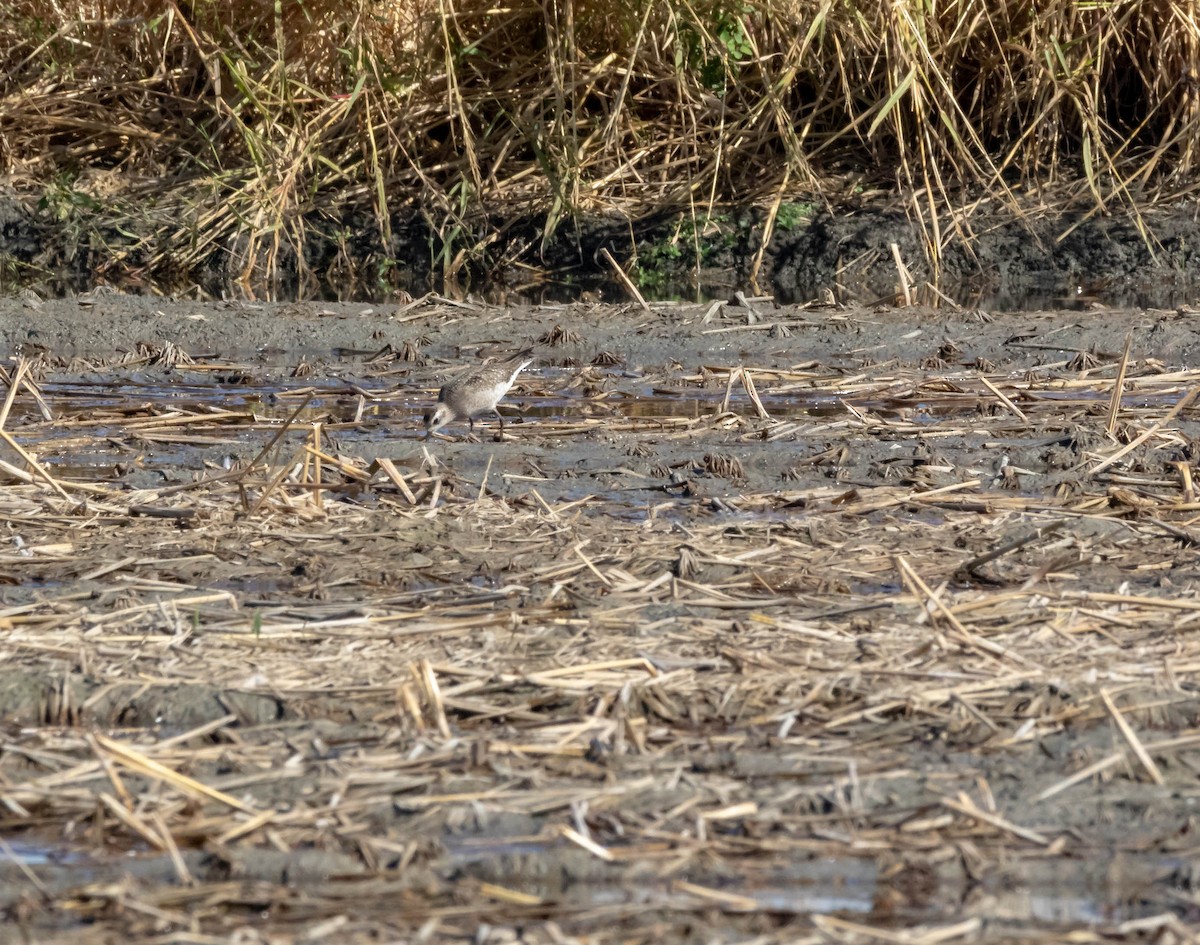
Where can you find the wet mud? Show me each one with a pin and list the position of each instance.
(683, 680)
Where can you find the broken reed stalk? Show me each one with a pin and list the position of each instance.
(313, 455)
(752, 393)
(13, 383)
(1015, 544)
(1000, 396)
(626, 282)
(939, 609)
(904, 276)
(1184, 402)
(34, 464)
(1114, 404)
(1131, 738)
(137, 761)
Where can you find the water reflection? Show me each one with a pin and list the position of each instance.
(1105, 890)
(585, 288)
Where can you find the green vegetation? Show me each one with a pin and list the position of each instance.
(793, 215)
(690, 246)
(71, 208)
(657, 263)
(234, 130)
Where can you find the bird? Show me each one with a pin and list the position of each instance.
(476, 392)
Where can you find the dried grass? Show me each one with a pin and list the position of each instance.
(238, 128)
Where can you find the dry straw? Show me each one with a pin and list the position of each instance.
(243, 128)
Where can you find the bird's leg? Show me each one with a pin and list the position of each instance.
(471, 437)
(500, 417)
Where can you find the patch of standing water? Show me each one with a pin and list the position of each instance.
(196, 419)
(29, 853)
(1044, 892)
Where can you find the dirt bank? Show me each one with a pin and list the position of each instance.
(1007, 258)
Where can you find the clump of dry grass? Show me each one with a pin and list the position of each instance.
(233, 130)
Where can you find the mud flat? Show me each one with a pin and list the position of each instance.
(773, 623)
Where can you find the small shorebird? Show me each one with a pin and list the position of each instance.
(476, 392)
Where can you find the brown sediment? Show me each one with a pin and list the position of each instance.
(827, 624)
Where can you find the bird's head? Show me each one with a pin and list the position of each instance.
(437, 418)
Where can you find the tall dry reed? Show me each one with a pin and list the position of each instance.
(217, 128)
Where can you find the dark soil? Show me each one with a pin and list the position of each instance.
(1004, 260)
